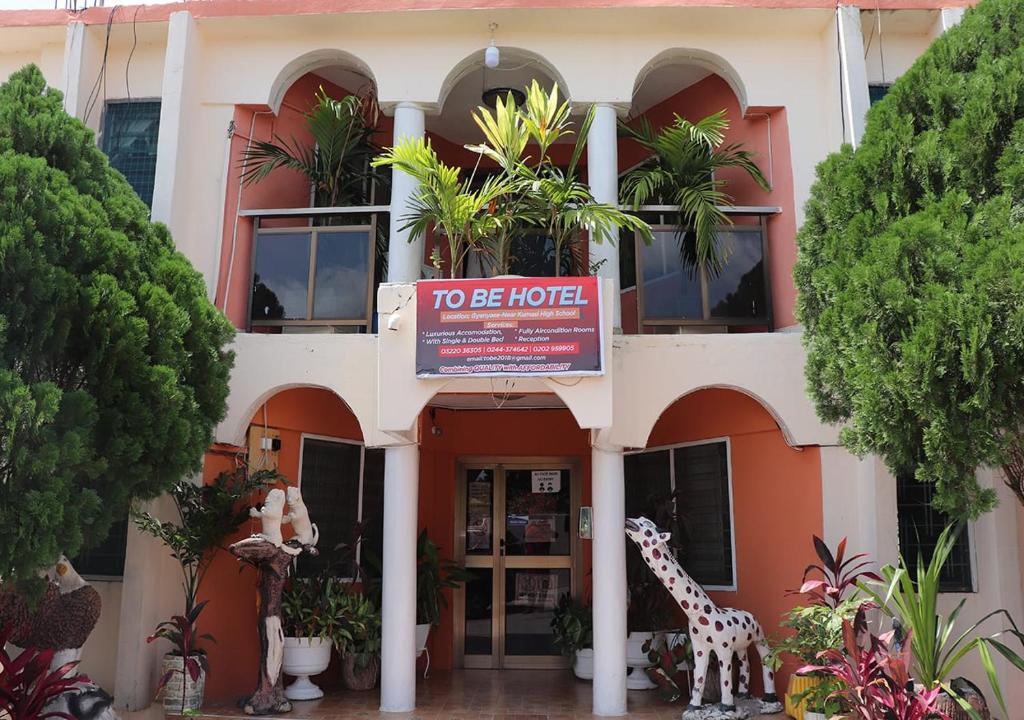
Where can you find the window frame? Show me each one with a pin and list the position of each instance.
(972, 555)
(101, 135)
(362, 467)
(706, 319)
(365, 323)
(734, 587)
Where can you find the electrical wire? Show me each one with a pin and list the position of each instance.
(128, 64)
(101, 76)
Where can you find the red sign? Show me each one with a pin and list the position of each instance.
(509, 326)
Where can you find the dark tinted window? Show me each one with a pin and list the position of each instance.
(107, 558)
(129, 139)
(330, 489)
(920, 526)
(877, 92)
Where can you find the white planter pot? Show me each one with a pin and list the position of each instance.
(304, 657)
(583, 664)
(637, 660)
(422, 633)
(176, 700)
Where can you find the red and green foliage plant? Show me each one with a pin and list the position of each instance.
(838, 574)
(180, 631)
(874, 675)
(27, 685)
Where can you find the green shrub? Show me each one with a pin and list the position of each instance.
(911, 266)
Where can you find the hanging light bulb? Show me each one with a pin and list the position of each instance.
(492, 56)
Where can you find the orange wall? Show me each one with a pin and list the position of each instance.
(231, 586)
(776, 499)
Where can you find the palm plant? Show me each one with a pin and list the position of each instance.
(336, 162)
(681, 171)
(541, 193)
(446, 200)
(936, 649)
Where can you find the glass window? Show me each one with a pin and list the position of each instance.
(129, 138)
(280, 284)
(738, 291)
(919, 528)
(877, 91)
(531, 598)
(697, 478)
(670, 291)
(702, 503)
(342, 275)
(537, 522)
(107, 558)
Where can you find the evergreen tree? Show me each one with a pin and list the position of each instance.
(911, 267)
(114, 369)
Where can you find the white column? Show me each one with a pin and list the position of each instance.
(948, 17)
(398, 589)
(405, 259)
(179, 72)
(603, 176)
(854, 73)
(609, 580)
(82, 54)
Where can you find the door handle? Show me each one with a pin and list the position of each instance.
(501, 547)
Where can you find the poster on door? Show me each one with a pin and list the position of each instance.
(499, 327)
(539, 589)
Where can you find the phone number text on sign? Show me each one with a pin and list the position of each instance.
(509, 326)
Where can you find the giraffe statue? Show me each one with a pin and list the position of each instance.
(724, 631)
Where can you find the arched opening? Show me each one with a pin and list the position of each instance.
(664, 290)
(742, 503)
(276, 281)
(317, 445)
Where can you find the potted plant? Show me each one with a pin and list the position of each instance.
(648, 617)
(207, 515)
(869, 676)
(681, 171)
(573, 630)
(818, 627)
(360, 651)
(433, 575)
(312, 613)
(819, 701)
(937, 644)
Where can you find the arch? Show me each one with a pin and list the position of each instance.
(700, 58)
(475, 60)
(241, 420)
(787, 434)
(309, 62)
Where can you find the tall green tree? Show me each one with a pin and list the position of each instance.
(114, 369)
(911, 267)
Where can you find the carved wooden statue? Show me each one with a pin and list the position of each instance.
(726, 632)
(272, 556)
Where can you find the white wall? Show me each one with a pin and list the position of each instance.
(99, 656)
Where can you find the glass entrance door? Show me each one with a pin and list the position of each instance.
(517, 539)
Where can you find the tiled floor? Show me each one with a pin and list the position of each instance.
(480, 694)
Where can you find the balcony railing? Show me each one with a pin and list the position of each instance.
(315, 269)
(671, 296)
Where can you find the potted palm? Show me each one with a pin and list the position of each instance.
(206, 516)
(573, 629)
(681, 171)
(313, 619)
(433, 575)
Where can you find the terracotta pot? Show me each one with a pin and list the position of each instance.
(360, 678)
(173, 695)
(799, 684)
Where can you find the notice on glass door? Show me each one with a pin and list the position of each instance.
(546, 481)
(499, 327)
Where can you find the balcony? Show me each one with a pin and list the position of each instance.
(662, 294)
(316, 270)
